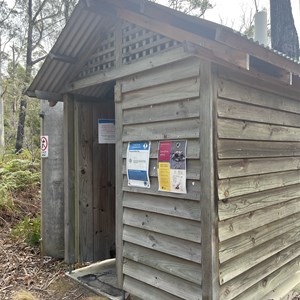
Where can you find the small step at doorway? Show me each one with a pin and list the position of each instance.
(101, 278)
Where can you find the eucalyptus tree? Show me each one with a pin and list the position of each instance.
(193, 7)
(7, 32)
(43, 20)
(284, 35)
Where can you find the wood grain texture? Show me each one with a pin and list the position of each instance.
(119, 184)
(163, 243)
(233, 187)
(246, 167)
(268, 283)
(184, 69)
(145, 291)
(258, 82)
(174, 91)
(179, 110)
(208, 198)
(241, 283)
(169, 264)
(163, 205)
(181, 129)
(243, 130)
(162, 280)
(84, 179)
(236, 246)
(172, 226)
(230, 149)
(193, 190)
(249, 203)
(245, 112)
(241, 264)
(240, 92)
(241, 224)
(103, 185)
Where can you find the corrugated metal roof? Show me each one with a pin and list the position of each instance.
(83, 31)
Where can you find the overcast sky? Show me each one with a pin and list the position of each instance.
(230, 11)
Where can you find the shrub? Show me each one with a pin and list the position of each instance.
(29, 230)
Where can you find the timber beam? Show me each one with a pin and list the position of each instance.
(63, 58)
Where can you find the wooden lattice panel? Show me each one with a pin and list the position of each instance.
(138, 42)
(104, 57)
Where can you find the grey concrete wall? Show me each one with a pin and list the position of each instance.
(52, 182)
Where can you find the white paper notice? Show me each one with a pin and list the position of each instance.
(137, 164)
(106, 131)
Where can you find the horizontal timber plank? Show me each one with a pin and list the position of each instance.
(192, 168)
(179, 129)
(258, 82)
(168, 206)
(244, 242)
(183, 69)
(246, 280)
(167, 263)
(162, 243)
(233, 187)
(243, 130)
(235, 91)
(193, 189)
(192, 150)
(174, 91)
(245, 167)
(247, 222)
(178, 110)
(172, 226)
(268, 283)
(145, 291)
(128, 70)
(244, 262)
(229, 149)
(245, 112)
(162, 280)
(247, 203)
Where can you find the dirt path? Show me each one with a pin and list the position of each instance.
(22, 268)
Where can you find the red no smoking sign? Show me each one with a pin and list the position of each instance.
(44, 145)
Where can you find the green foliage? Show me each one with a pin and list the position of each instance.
(17, 176)
(29, 230)
(193, 7)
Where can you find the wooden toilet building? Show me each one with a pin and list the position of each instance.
(164, 76)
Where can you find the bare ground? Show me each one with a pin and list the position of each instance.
(24, 269)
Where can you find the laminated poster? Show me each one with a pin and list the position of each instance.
(172, 166)
(106, 131)
(137, 164)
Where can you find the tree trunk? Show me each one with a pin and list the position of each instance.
(284, 36)
(23, 102)
(1, 105)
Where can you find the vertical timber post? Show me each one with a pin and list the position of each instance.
(119, 183)
(210, 283)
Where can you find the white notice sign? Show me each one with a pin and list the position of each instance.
(44, 146)
(106, 131)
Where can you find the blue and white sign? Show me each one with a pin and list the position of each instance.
(106, 131)
(137, 164)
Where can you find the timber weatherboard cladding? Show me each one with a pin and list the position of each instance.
(161, 233)
(258, 159)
